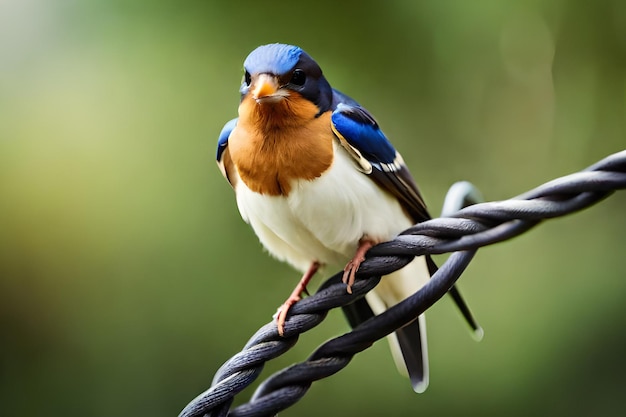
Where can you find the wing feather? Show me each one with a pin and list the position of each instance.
(224, 161)
(361, 136)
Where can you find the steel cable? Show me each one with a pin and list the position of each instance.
(460, 233)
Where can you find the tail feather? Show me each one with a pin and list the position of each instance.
(408, 344)
(458, 299)
(477, 330)
(411, 340)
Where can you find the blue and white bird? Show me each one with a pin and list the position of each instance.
(320, 184)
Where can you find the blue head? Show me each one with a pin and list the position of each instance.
(273, 71)
(275, 58)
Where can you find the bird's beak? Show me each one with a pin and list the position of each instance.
(267, 89)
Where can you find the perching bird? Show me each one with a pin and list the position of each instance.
(320, 184)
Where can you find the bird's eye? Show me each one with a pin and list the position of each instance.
(246, 78)
(298, 78)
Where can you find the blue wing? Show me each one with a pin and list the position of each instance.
(359, 133)
(222, 142)
(361, 136)
(222, 156)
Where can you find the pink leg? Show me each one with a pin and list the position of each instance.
(349, 271)
(295, 296)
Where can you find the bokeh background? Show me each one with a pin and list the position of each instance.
(127, 276)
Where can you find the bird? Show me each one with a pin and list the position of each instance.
(320, 184)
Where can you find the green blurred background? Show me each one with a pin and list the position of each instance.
(127, 276)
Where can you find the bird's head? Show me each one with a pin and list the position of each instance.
(278, 73)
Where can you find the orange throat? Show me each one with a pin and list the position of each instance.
(277, 143)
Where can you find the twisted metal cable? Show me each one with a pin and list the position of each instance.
(462, 233)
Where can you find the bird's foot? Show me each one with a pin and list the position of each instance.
(349, 272)
(296, 295)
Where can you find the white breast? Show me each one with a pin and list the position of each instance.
(323, 219)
